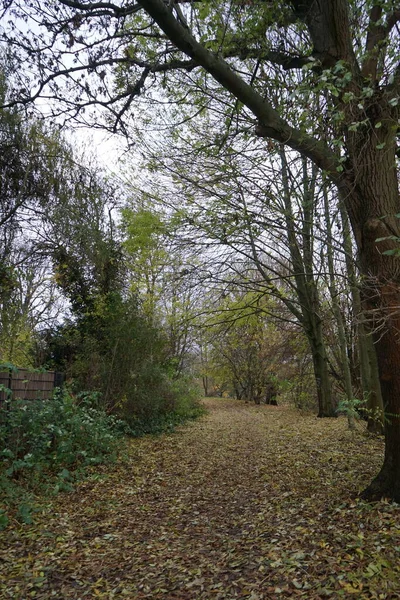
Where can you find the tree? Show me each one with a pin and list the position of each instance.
(148, 250)
(246, 348)
(260, 223)
(349, 52)
(339, 317)
(29, 303)
(29, 300)
(158, 271)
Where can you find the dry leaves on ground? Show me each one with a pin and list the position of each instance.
(249, 502)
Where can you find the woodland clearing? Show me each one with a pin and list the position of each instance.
(250, 502)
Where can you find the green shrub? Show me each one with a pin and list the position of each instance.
(187, 398)
(50, 443)
(43, 435)
(300, 391)
(156, 402)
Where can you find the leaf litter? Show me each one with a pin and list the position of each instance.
(249, 502)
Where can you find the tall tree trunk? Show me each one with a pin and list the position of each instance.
(306, 285)
(315, 338)
(205, 385)
(387, 482)
(334, 293)
(370, 384)
(375, 409)
(373, 203)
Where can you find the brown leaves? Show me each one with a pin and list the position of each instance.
(251, 502)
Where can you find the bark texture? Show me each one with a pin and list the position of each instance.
(370, 384)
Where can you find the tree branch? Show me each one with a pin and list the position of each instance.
(270, 122)
(88, 7)
(284, 59)
(377, 34)
(393, 19)
(329, 27)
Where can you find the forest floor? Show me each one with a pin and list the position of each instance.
(249, 502)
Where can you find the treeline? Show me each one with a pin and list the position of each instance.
(282, 307)
(71, 300)
(139, 294)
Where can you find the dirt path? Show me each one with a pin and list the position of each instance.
(248, 502)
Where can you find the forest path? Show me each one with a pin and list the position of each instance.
(249, 502)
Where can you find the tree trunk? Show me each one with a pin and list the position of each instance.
(334, 293)
(306, 285)
(370, 384)
(373, 203)
(387, 483)
(375, 402)
(205, 385)
(326, 406)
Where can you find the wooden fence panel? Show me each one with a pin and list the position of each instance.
(28, 385)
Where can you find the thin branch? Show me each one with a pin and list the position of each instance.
(88, 7)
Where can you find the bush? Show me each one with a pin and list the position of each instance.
(51, 441)
(300, 391)
(158, 403)
(116, 351)
(43, 435)
(48, 444)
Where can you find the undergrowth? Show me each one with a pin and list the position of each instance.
(49, 445)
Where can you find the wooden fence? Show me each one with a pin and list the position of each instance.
(28, 385)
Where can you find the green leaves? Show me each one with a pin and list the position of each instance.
(24, 514)
(40, 436)
(391, 238)
(3, 519)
